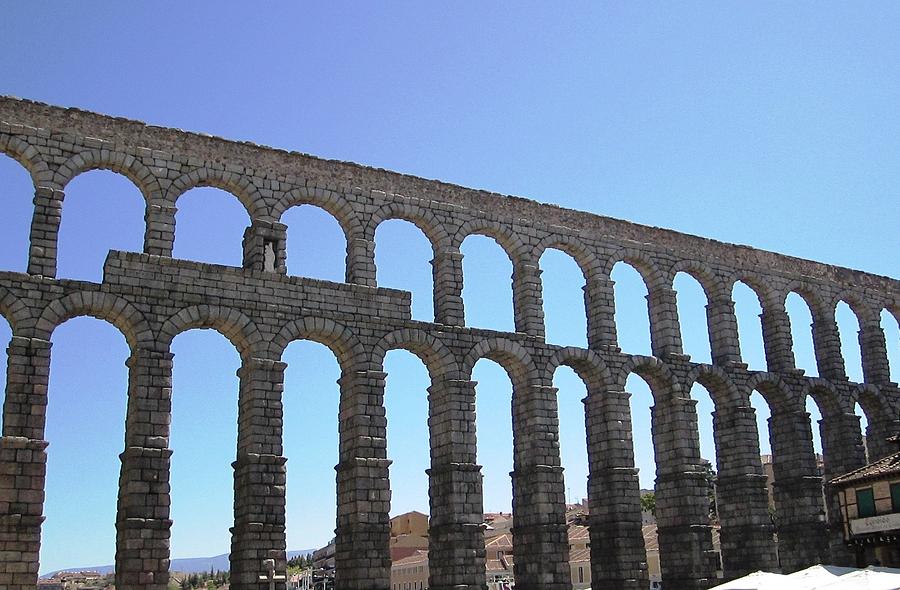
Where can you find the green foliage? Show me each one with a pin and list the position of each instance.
(648, 503)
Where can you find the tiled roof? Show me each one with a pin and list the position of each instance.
(650, 539)
(888, 466)
(580, 556)
(418, 557)
(504, 540)
(578, 532)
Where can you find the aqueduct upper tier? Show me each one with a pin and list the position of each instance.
(151, 297)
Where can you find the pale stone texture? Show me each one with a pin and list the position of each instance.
(151, 298)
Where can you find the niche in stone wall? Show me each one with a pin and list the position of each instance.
(16, 195)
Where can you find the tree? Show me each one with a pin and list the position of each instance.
(648, 503)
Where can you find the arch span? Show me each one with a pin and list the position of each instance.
(28, 156)
(240, 330)
(438, 359)
(337, 337)
(237, 184)
(121, 163)
(104, 306)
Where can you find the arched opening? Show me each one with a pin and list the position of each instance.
(692, 303)
(85, 427)
(763, 414)
(572, 432)
(487, 288)
(102, 211)
(891, 327)
(215, 238)
(747, 311)
(815, 423)
(204, 442)
(493, 425)
(563, 294)
(801, 334)
(632, 314)
(848, 328)
(863, 425)
(5, 337)
(17, 195)
(311, 408)
(406, 409)
(403, 261)
(705, 408)
(641, 404)
(316, 244)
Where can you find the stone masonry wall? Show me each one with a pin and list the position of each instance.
(152, 297)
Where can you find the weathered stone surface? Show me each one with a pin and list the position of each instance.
(151, 298)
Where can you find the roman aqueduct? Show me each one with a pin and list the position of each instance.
(151, 297)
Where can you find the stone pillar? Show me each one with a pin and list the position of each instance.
(873, 348)
(877, 434)
(45, 231)
(827, 343)
(23, 462)
(527, 303)
(799, 507)
(456, 554)
(682, 496)
(259, 476)
(777, 339)
(540, 535)
(665, 334)
(264, 246)
(362, 552)
(142, 520)
(600, 307)
(618, 558)
(361, 262)
(724, 343)
(741, 494)
(159, 238)
(843, 452)
(448, 286)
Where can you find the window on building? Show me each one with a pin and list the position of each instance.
(895, 497)
(865, 502)
(580, 575)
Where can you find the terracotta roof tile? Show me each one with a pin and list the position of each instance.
(890, 465)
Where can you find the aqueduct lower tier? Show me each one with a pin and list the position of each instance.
(152, 297)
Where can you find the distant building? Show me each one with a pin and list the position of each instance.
(870, 506)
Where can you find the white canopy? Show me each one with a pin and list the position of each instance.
(824, 577)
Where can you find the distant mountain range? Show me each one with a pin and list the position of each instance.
(190, 565)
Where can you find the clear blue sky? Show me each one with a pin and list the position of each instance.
(771, 124)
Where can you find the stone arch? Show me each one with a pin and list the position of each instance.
(827, 397)
(874, 405)
(642, 263)
(817, 304)
(587, 364)
(240, 330)
(28, 156)
(652, 370)
(104, 306)
(13, 310)
(510, 355)
(587, 261)
(421, 217)
(858, 305)
(775, 391)
(765, 293)
(438, 359)
(723, 391)
(118, 162)
(331, 201)
(237, 184)
(495, 230)
(337, 337)
(711, 282)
